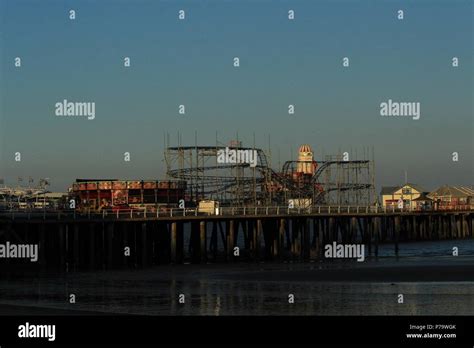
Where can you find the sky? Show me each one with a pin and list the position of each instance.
(190, 62)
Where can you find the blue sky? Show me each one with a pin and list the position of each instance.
(190, 62)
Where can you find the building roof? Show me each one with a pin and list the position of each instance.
(94, 180)
(452, 191)
(469, 191)
(305, 148)
(390, 190)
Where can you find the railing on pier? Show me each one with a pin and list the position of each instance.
(220, 212)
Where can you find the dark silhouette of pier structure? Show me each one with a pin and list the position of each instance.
(73, 241)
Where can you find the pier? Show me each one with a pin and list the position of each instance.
(69, 240)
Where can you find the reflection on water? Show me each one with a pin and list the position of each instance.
(226, 290)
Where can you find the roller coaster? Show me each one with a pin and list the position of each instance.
(334, 179)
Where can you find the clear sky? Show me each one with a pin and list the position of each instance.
(190, 62)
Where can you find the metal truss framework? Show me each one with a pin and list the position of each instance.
(335, 181)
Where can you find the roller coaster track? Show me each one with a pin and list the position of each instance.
(267, 174)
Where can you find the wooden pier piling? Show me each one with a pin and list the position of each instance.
(80, 244)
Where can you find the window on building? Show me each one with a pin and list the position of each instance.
(406, 191)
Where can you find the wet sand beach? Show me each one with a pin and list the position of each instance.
(432, 282)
